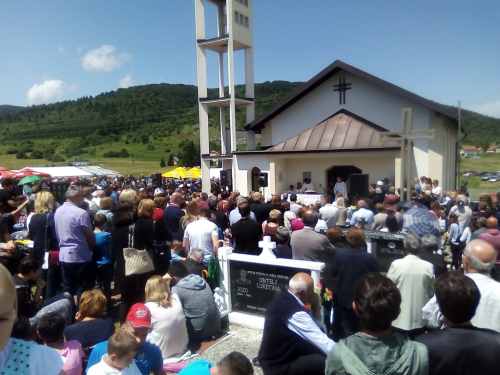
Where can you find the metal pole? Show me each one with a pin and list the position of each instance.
(459, 136)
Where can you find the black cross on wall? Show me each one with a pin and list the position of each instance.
(342, 87)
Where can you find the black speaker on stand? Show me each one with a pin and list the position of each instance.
(358, 186)
(225, 177)
(156, 177)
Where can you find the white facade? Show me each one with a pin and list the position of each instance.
(373, 100)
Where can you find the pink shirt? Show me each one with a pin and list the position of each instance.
(297, 225)
(72, 354)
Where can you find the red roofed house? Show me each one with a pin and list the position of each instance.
(469, 151)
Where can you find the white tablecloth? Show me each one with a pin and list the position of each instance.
(308, 199)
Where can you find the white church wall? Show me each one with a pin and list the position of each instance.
(436, 148)
(365, 99)
(244, 164)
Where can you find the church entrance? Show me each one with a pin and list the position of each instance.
(343, 171)
(255, 179)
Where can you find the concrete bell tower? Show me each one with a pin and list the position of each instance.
(234, 33)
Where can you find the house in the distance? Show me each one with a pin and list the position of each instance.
(494, 149)
(468, 151)
(80, 162)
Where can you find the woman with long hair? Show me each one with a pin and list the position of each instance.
(43, 234)
(436, 210)
(168, 323)
(192, 212)
(342, 216)
(391, 224)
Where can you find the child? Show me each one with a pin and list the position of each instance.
(234, 363)
(177, 251)
(37, 359)
(105, 265)
(122, 348)
(50, 330)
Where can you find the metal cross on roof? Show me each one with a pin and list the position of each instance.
(408, 135)
(342, 87)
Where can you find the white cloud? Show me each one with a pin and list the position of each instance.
(60, 49)
(48, 92)
(489, 109)
(126, 81)
(104, 59)
(79, 49)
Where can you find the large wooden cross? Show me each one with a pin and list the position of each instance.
(407, 135)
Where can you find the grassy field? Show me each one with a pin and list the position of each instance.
(486, 163)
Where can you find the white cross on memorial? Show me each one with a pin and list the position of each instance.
(408, 135)
(267, 247)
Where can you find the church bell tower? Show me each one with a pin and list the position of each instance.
(234, 33)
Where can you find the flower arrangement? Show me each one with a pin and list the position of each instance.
(327, 295)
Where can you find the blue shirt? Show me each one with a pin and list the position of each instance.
(148, 359)
(235, 216)
(114, 196)
(103, 240)
(363, 213)
(200, 367)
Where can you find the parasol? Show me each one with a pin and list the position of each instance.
(28, 179)
(418, 222)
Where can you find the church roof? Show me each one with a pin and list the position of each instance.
(341, 131)
(327, 73)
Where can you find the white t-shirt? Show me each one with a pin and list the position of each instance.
(168, 329)
(199, 233)
(42, 359)
(437, 192)
(102, 368)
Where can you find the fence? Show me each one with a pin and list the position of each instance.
(474, 194)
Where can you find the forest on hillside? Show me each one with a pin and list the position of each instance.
(143, 114)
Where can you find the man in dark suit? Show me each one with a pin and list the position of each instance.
(194, 262)
(172, 215)
(220, 218)
(261, 210)
(430, 244)
(348, 267)
(460, 348)
(246, 232)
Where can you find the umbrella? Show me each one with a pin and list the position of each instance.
(194, 172)
(412, 204)
(418, 222)
(29, 179)
(177, 172)
(25, 172)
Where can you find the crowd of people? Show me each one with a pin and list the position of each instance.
(153, 244)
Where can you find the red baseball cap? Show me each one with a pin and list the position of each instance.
(139, 316)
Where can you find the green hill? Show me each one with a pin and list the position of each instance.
(142, 124)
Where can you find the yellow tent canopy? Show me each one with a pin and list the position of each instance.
(194, 172)
(176, 173)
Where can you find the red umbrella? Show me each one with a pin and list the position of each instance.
(29, 172)
(2, 169)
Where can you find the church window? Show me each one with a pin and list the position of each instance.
(242, 19)
(236, 17)
(247, 22)
(246, 3)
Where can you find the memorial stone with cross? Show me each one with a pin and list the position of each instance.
(407, 135)
(267, 247)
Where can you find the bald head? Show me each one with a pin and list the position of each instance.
(479, 257)
(176, 198)
(362, 204)
(302, 286)
(492, 223)
(256, 197)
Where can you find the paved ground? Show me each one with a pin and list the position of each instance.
(245, 340)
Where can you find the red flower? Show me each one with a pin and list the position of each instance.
(319, 285)
(330, 293)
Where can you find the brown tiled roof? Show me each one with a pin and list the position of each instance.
(492, 148)
(342, 131)
(470, 148)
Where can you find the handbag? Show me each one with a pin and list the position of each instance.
(137, 261)
(53, 254)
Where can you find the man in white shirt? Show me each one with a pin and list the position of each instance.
(363, 213)
(235, 216)
(414, 278)
(308, 186)
(340, 187)
(436, 190)
(292, 341)
(478, 259)
(202, 234)
(329, 213)
(294, 206)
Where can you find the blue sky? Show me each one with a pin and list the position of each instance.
(444, 50)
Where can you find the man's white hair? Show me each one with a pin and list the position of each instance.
(476, 264)
(296, 286)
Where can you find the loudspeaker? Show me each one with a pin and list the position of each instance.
(263, 179)
(358, 185)
(156, 177)
(224, 177)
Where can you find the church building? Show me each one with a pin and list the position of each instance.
(345, 121)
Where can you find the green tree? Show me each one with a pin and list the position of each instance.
(36, 154)
(150, 147)
(162, 163)
(170, 161)
(189, 154)
(21, 155)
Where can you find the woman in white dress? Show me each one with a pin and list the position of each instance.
(168, 323)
